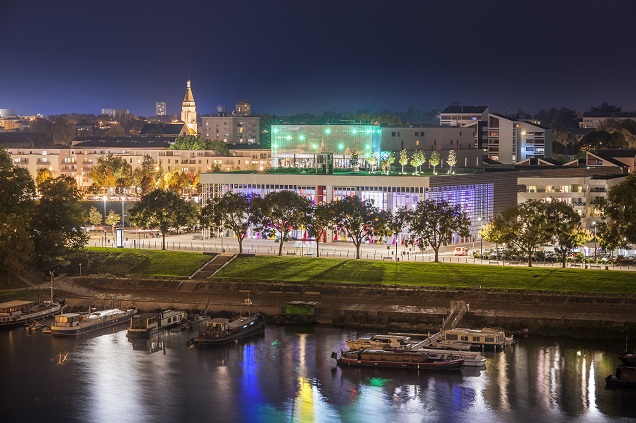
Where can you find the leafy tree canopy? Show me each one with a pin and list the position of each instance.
(58, 220)
(621, 207)
(163, 210)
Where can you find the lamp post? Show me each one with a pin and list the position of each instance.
(481, 238)
(104, 198)
(104, 240)
(123, 238)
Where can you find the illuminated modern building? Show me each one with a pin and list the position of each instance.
(474, 193)
(329, 145)
(505, 139)
(512, 141)
(584, 190)
(334, 145)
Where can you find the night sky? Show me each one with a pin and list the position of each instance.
(288, 57)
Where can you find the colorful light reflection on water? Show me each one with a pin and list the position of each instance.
(287, 375)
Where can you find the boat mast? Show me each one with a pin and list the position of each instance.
(51, 273)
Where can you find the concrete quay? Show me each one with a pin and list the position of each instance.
(371, 307)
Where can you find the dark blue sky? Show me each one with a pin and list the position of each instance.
(310, 56)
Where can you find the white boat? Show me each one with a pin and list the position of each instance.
(146, 324)
(17, 313)
(486, 338)
(73, 324)
(379, 342)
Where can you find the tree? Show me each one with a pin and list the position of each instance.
(562, 118)
(524, 227)
(145, 176)
(163, 210)
(434, 222)
(354, 160)
(357, 218)
(565, 227)
(621, 207)
(18, 189)
(62, 131)
(609, 236)
(418, 159)
(451, 160)
(176, 181)
(42, 175)
(231, 211)
(605, 109)
(404, 159)
(279, 213)
(434, 160)
(16, 208)
(372, 160)
(220, 147)
(189, 142)
(94, 216)
(319, 218)
(110, 172)
(16, 245)
(58, 220)
(387, 158)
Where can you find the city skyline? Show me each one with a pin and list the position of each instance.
(287, 58)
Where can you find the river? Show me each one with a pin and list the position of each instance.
(287, 375)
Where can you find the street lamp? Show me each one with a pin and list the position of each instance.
(481, 237)
(104, 198)
(104, 240)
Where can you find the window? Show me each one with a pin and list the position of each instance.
(392, 134)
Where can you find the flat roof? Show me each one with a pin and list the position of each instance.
(15, 303)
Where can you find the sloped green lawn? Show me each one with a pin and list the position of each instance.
(429, 274)
(129, 262)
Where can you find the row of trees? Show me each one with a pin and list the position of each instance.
(431, 224)
(419, 158)
(114, 173)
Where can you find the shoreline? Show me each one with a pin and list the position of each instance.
(396, 309)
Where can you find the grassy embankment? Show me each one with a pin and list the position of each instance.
(446, 275)
(132, 262)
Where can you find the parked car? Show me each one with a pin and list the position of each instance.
(460, 251)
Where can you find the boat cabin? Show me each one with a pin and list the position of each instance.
(486, 337)
(67, 320)
(379, 342)
(12, 309)
(218, 324)
(145, 321)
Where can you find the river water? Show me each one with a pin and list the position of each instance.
(287, 375)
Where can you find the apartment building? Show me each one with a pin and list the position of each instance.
(78, 161)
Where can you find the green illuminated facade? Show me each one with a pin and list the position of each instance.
(300, 145)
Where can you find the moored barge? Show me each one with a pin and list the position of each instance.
(414, 360)
(73, 324)
(221, 331)
(146, 324)
(17, 313)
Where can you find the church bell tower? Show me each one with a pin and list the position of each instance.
(189, 110)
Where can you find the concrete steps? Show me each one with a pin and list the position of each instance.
(213, 266)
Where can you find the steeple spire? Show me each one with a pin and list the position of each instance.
(189, 110)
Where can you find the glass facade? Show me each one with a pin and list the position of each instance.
(476, 200)
(298, 145)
